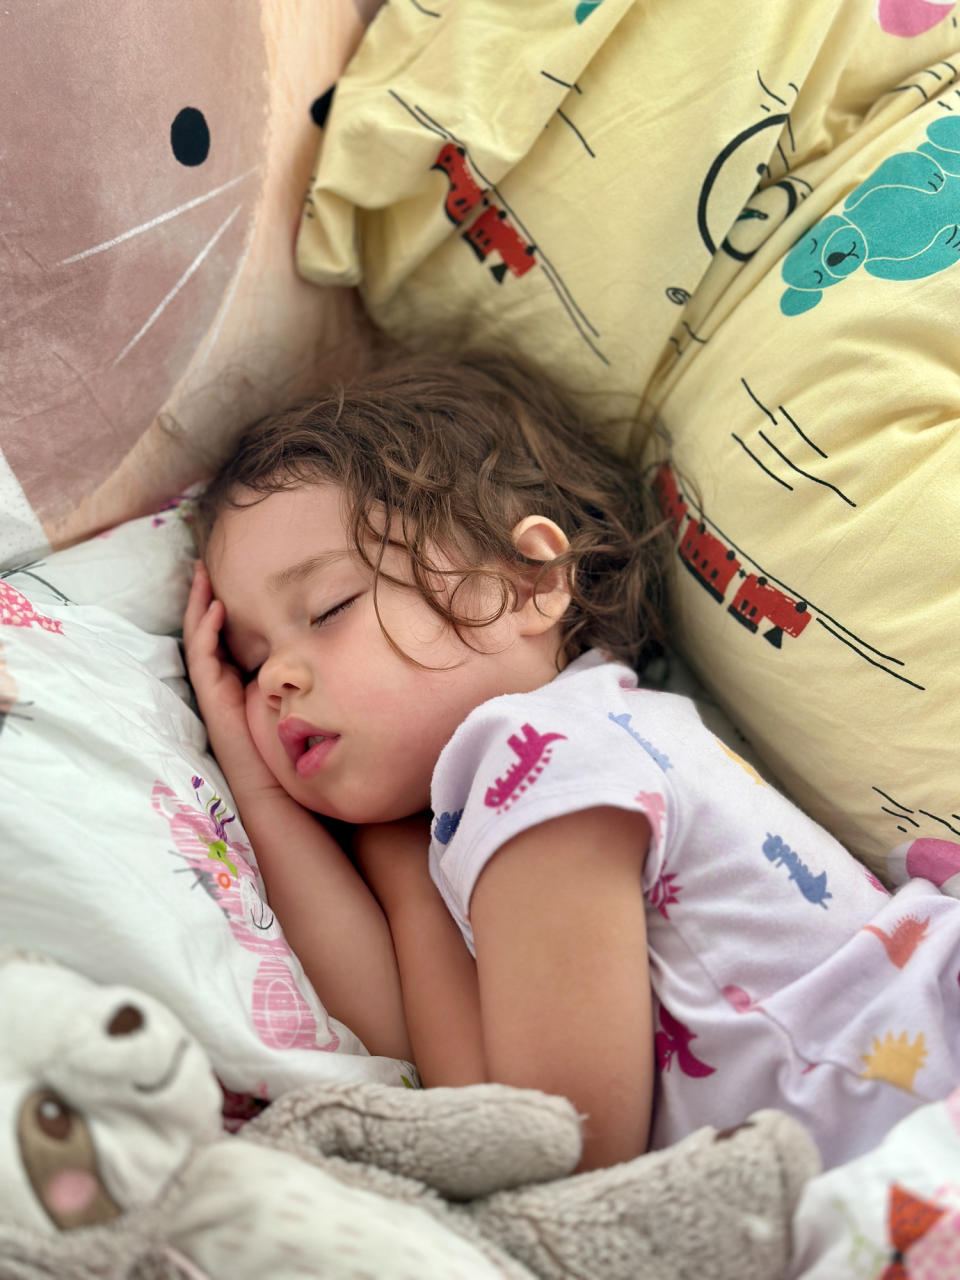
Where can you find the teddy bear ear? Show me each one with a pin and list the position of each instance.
(61, 1163)
(795, 301)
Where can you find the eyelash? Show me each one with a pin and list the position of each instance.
(332, 613)
(250, 676)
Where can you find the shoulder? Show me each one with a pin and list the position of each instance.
(566, 735)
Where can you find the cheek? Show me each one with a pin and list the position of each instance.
(259, 722)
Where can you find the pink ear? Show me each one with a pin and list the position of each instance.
(70, 1191)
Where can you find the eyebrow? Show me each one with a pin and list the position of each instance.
(303, 569)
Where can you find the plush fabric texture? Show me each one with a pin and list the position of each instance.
(122, 852)
(342, 1181)
(153, 169)
(740, 228)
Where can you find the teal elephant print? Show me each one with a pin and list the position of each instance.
(902, 223)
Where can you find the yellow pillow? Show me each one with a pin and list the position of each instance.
(750, 226)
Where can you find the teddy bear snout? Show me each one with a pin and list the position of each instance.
(125, 1021)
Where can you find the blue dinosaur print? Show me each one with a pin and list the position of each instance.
(585, 8)
(901, 223)
(658, 757)
(813, 888)
(445, 825)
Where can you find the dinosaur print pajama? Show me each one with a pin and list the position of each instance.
(784, 973)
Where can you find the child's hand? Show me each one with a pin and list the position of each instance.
(220, 691)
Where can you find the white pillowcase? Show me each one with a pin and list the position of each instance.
(120, 852)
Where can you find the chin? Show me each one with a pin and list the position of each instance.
(363, 811)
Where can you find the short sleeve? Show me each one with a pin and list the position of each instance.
(522, 760)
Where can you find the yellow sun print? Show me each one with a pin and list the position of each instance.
(895, 1061)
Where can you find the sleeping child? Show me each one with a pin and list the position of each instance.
(422, 606)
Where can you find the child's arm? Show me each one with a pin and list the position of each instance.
(328, 915)
(437, 972)
(560, 935)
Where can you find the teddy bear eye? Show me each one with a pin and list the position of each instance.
(54, 1118)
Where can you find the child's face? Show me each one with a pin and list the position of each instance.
(350, 728)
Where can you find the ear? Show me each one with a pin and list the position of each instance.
(540, 539)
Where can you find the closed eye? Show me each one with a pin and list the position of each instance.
(248, 675)
(337, 609)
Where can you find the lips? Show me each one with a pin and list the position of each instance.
(307, 745)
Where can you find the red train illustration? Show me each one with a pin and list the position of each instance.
(757, 602)
(715, 565)
(672, 502)
(710, 561)
(464, 194)
(493, 233)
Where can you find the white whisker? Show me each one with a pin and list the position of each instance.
(227, 303)
(179, 285)
(154, 222)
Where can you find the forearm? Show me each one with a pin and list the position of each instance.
(330, 918)
(437, 973)
(441, 997)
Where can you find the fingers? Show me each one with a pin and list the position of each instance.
(198, 601)
(202, 621)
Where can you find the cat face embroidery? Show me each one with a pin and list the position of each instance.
(131, 178)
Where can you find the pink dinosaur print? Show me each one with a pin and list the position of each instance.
(17, 611)
(672, 1042)
(655, 809)
(280, 1014)
(532, 751)
(740, 1000)
(665, 890)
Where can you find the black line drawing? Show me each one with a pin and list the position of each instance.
(773, 95)
(926, 813)
(799, 432)
(873, 662)
(27, 571)
(566, 83)
(799, 470)
(695, 336)
(903, 812)
(566, 120)
(771, 474)
(776, 448)
(862, 648)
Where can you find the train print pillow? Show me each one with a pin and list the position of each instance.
(745, 228)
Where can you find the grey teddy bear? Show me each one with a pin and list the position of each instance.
(113, 1165)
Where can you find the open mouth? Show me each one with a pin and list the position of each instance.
(305, 744)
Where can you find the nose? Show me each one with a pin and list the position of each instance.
(284, 673)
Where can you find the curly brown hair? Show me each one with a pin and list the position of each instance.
(461, 449)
